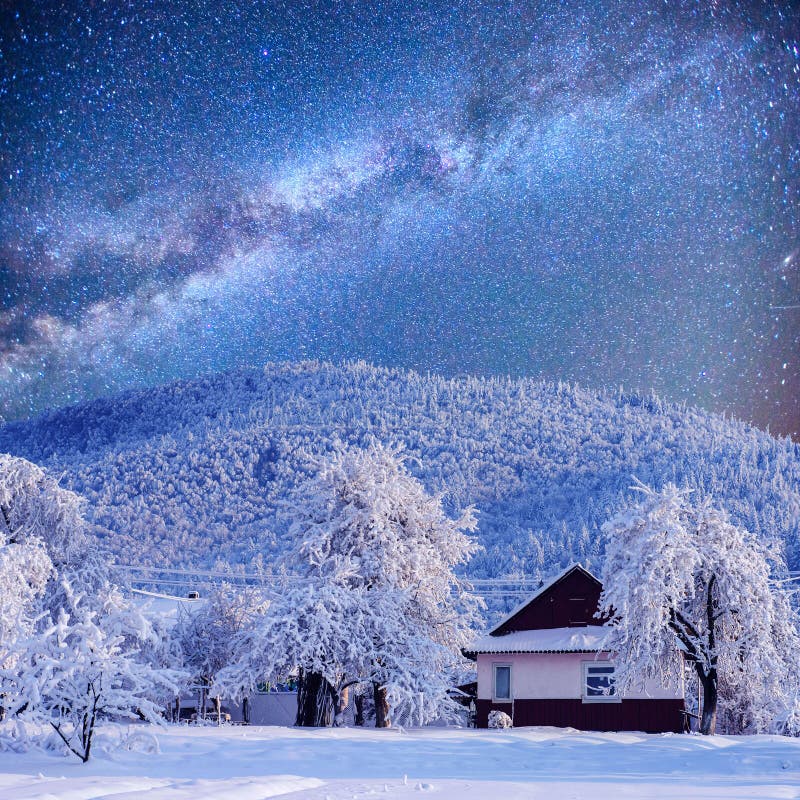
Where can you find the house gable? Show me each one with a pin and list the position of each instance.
(571, 599)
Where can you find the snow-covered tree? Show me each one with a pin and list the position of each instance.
(206, 636)
(70, 646)
(372, 598)
(680, 575)
(24, 572)
(38, 524)
(80, 668)
(33, 507)
(43, 532)
(541, 460)
(161, 651)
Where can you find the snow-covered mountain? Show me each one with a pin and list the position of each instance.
(193, 473)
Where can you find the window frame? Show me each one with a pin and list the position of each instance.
(495, 698)
(586, 666)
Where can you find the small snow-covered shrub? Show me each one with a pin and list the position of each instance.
(499, 719)
(82, 668)
(141, 742)
(787, 722)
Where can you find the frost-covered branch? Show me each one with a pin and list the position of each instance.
(679, 575)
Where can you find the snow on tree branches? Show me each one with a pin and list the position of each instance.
(681, 575)
(38, 522)
(206, 637)
(372, 599)
(81, 668)
(24, 571)
(69, 644)
(41, 526)
(33, 507)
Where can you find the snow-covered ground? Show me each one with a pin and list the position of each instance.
(255, 763)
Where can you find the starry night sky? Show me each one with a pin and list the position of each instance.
(606, 193)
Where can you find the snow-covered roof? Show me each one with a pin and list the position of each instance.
(541, 590)
(545, 640)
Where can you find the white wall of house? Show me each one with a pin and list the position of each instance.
(560, 676)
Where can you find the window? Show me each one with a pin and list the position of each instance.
(599, 684)
(501, 689)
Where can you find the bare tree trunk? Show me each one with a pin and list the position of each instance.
(708, 722)
(708, 719)
(341, 706)
(201, 711)
(246, 710)
(358, 702)
(6, 518)
(89, 731)
(315, 705)
(702, 655)
(381, 706)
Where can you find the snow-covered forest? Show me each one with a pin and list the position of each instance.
(377, 607)
(192, 474)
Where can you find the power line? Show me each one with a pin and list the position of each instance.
(488, 588)
(281, 577)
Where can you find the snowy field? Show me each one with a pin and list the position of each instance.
(255, 763)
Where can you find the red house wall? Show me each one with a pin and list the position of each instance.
(650, 716)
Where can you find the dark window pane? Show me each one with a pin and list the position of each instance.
(599, 687)
(502, 682)
(600, 682)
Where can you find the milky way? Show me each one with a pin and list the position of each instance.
(605, 193)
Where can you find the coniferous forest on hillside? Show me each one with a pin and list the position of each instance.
(193, 474)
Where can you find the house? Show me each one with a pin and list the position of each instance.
(544, 665)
